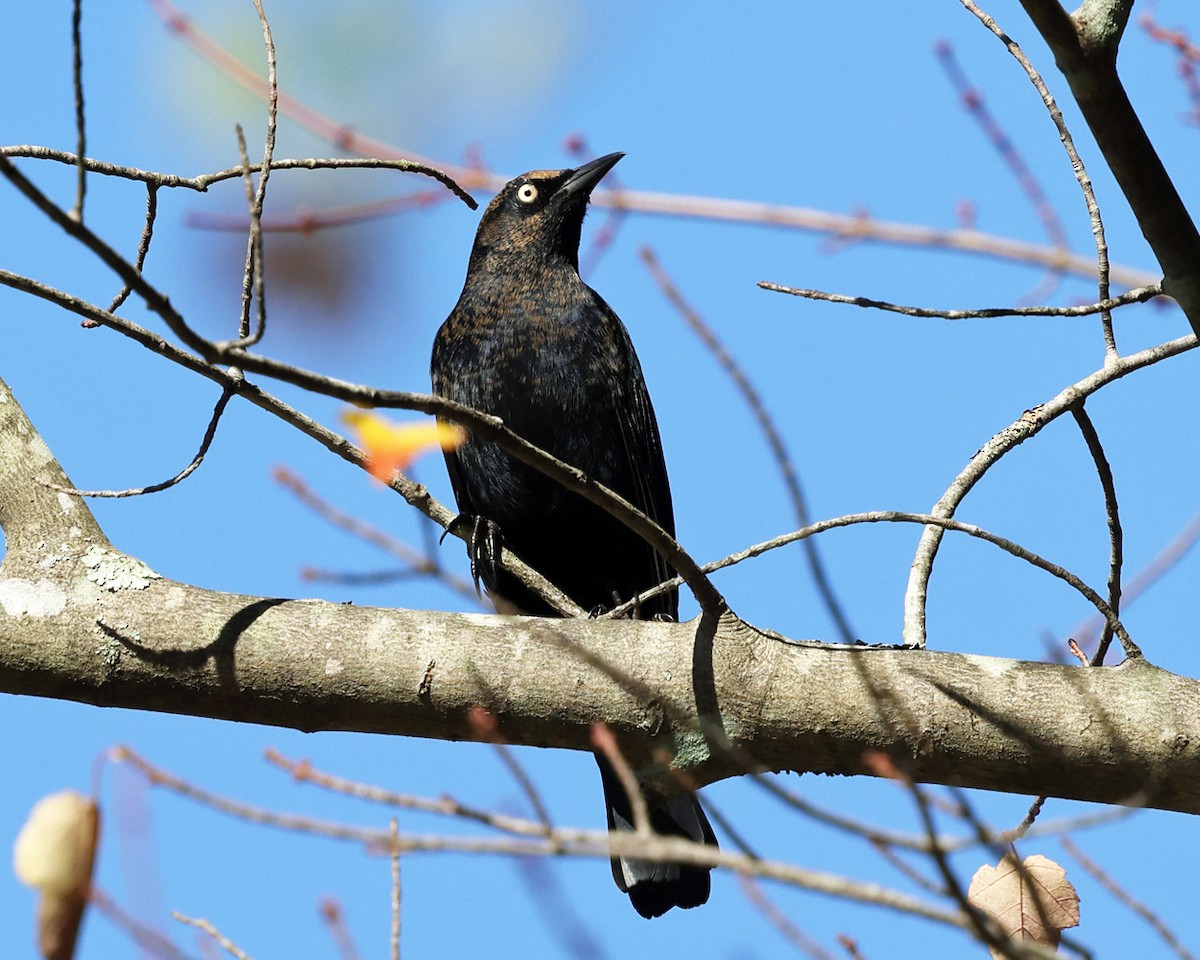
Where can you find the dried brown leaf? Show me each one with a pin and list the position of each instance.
(1033, 901)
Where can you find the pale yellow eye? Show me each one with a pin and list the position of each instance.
(527, 193)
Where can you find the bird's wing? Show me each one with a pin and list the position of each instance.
(651, 489)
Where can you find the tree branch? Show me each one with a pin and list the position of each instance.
(98, 627)
(1085, 48)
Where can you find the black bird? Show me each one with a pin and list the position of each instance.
(531, 343)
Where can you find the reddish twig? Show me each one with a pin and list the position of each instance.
(766, 423)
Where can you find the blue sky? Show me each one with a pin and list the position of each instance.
(837, 107)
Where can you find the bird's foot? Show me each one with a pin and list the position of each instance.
(484, 547)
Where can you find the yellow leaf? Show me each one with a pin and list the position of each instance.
(392, 446)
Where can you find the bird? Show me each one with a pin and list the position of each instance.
(530, 342)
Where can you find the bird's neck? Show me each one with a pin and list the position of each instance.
(492, 263)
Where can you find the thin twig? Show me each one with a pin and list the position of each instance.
(850, 945)
(1125, 897)
(786, 928)
(484, 726)
(420, 564)
(1174, 551)
(1031, 815)
(766, 424)
(80, 112)
(1028, 425)
(143, 249)
(306, 220)
(942, 523)
(335, 919)
(252, 274)
(544, 890)
(908, 870)
(417, 495)
(851, 226)
(562, 842)
(1139, 295)
(982, 925)
(1103, 269)
(303, 772)
(394, 828)
(204, 181)
(255, 268)
(1113, 514)
(203, 925)
(149, 940)
(209, 433)
(606, 744)
(1007, 851)
(976, 105)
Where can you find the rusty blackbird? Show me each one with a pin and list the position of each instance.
(531, 343)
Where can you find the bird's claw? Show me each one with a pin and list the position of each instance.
(485, 548)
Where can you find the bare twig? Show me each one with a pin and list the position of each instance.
(80, 112)
(253, 278)
(420, 563)
(1085, 44)
(142, 250)
(1139, 295)
(1103, 268)
(545, 891)
(149, 940)
(394, 856)
(1158, 566)
(563, 842)
(1029, 424)
(204, 181)
(1125, 897)
(331, 912)
(606, 744)
(303, 772)
(206, 927)
(306, 220)
(1112, 512)
(766, 423)
(786, 928)
(850, 945)
(908, 870)
(941, 523)
(976, 105)
(838, 225)
(484, 724)
(415, 494)
(209, 433)
(1027, 822)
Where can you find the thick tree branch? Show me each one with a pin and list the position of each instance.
(1085, 46)
(84, 622)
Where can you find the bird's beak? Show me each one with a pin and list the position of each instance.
(582, 180)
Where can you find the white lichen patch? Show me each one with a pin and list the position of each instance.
(67, 502)
(116, 571)
(28, 598)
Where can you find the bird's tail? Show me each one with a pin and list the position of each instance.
(654, 888)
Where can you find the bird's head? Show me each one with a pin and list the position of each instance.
(541, 212)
